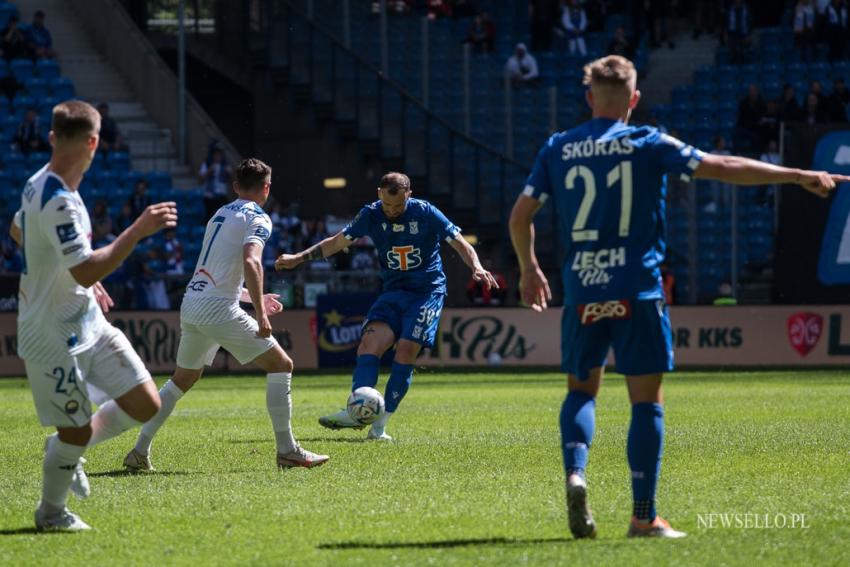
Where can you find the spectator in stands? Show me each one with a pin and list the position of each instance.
(14, 42)
(155, 296)
(482, 33)
(120, 144)
(721, 193)
(29, 136)
(521, 67)
(725, 295)
(660, 22)
(101, 224)
(12, 261)
(705, 13)
(738, 31)
(108, 128)
(543, 15)
(39, 38)
(215, 175)
(837, 28)
(140, 199)
(363, 257)
(483, 296)
(804, 28)
(396, 6)
(767, 193)
(574, 24)
(173, 254)
(620, 45)
(288, 221)
(789, 108)
(125, 218)
(769, 123)
(839, 101)
(816, 89)
(439, 9)
(750, 111)
(815, 112)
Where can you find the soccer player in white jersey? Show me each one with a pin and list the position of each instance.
(210, 317)
(73, 356)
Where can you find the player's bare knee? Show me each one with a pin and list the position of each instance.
(407, 351)
(284, 363)
(78, 436)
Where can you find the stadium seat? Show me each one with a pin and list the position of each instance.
(62, 88)
(21, 69)
(47, 69)
(118, 160)
(37, 87)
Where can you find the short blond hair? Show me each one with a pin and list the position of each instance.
(610, 71)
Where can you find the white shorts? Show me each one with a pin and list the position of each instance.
(64, 389)
(200, 343)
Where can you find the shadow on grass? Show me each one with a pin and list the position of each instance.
(443, 543)
(334, 440)
(29, 531)
(122, 472)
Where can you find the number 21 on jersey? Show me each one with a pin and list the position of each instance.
(622, 173)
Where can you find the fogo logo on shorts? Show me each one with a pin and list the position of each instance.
(592, 265)
(590, 313)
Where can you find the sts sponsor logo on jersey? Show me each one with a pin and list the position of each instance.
(403, 258)
(592, 265)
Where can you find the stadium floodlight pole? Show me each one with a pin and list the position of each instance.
(553, 109)
(385, 63)
(467, 118)
(346, 23)
(426, 63)
(181, 81)
(509, 119)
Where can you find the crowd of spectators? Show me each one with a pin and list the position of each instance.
(26, 42)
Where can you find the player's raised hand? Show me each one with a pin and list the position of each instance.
(156, 217)
(102, 297)
(271, 303)
(287, 262)
(534, 289)
(265, 330)
(821, 183)
(482, 275)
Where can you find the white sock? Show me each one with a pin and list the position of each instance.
(279, 404)
(109, 421)
(60, 460)
(382, 421)
(169, 394)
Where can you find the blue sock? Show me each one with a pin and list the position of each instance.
(644, 448)
(366, 371)
(401, 376)
(578, 420)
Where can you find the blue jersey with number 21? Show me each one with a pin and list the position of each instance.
(408, 246)
(608, 185)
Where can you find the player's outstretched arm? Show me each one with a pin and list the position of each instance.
(744, 171)
(533, 285)
(252, 261)
(470, 258)
(106, 260)
(324, 249)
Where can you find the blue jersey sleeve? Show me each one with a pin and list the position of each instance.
(359, 226)
(447, 230)
(675, 156)
(538, 186)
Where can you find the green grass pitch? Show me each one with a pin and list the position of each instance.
(474, 478)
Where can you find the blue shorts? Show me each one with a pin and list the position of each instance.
(411, 316)
(640, 334)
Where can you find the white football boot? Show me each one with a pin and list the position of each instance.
(581, 520)
(658, 528)
(339, 420)
(136, 462)
(301, 457)
(62, 521)
(376, 433)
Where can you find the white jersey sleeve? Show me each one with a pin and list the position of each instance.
(258, 230)
(62, 225)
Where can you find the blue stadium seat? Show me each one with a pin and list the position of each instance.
(10, 126)
(21, 69)
(62, 88)
(159, 180)
(118, 161)
(37, 88)
(14, 164)
(47, 69)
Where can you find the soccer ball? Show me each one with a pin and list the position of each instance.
(365, 405)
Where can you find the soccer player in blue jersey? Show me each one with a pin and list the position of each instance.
(608, 185)
(407, 233)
